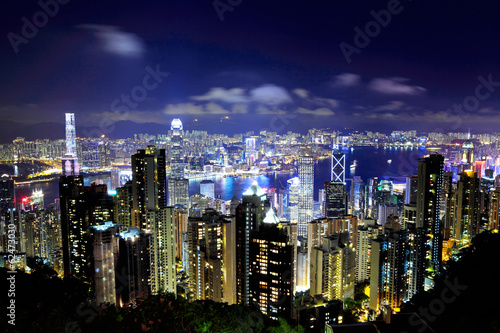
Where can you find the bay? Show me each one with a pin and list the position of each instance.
(386, 163)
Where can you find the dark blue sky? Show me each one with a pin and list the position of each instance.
(108, 62)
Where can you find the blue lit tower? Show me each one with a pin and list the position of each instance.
(338, 165)
(178, 186)
(70, 165)
(177, 150)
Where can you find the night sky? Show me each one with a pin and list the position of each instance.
(239, 65)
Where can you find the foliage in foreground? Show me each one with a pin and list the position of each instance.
(47, 303)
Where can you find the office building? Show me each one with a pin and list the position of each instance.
(306, 193)
(148, 184)
(430, 180)
(271, 268)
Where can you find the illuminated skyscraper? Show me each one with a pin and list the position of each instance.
(250, 150)
(429, 186)
(103, 249)
(81, 208)
(249, 215)
(163, 271)
(178, 186)
(335, 199)
(338, 165)
(271, 268)
(327, 268)
(133, 269)
(7, 193)
(70, 165)
(177, 150)
(293, 199)
(357, 196)
(468, 152)
(306, 192)
(207, 188)
(148, 184)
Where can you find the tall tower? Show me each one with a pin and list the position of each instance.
(338, 165)
(271, 268)
(306, 192)
(70, 165)
(335, 199)
(248, 216)
(148, 184)
(162, 256)
(177, 150)
(429, 187)
(178, 186)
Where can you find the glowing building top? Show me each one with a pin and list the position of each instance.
(176, 125)
(70, 134)
(70, 165)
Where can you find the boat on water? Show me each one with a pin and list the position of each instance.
(389, 161)
(354, 164)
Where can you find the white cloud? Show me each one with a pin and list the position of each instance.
(302, 93)
(234, 95)
(114, 40)
(395, 86)
(267, 94)
(346, 80)
(270, 95)
(316, 112)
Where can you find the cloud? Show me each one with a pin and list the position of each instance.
(346, 80)
(266, 94)
(270, 95)
(114, 40)
(316, 112)
(302, 93)
(307, 97)
(184, 108)
(234, 95)
(395, 86)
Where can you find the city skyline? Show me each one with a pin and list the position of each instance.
(249, 62)
(234, 165)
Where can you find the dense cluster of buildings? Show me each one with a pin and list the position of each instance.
(265, 249)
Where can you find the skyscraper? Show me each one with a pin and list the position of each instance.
(178, 186)
(103, 249)
(430, 180)
(81, 208)
(148, 184)
(207, 188)
(271, 268)
(70, 165)
(163, 271)
(306, 192)
(177, 149)
(338, 165)
(293, 199)
(133, 269)
(249, 215)
(335, 199)
(357, 196)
